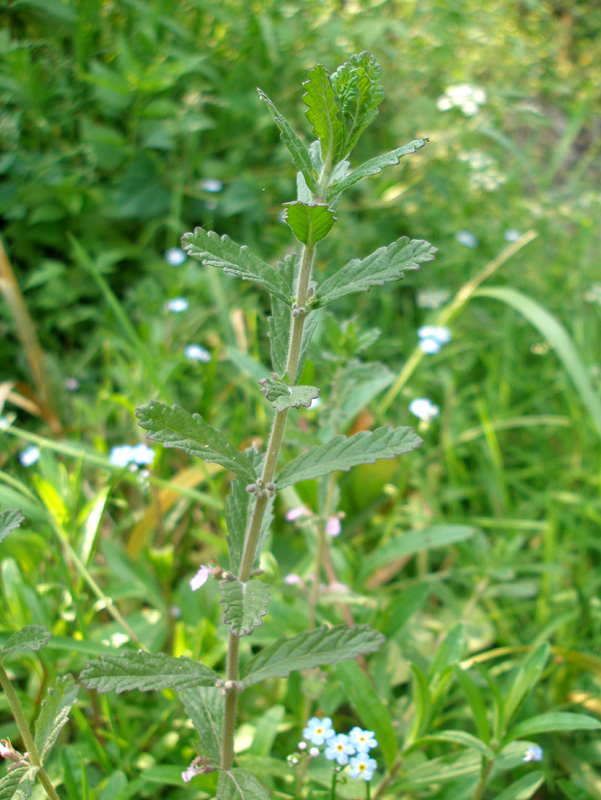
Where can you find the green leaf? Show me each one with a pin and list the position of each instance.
(374, 715)
(238, 784)
(312, 649)
(32, 637)
(527, 677)
(310, 222)
(407, 544)
(215, 251)
(422, 701)
(386, 264)
(282, 396)
(244, 605)
(18, 784)
(147, 672)
(523, 788)
(374, 166)
(475, 701)
(450, 651)
(574, 791)
(324, 114)
(10, 519)
(357, 85)
(300, 155)
(236, 519)
(54, 714)
(552, 723)
(174, 427)
(280, 319)
(345, 452)
(458, 737)
(205, 705)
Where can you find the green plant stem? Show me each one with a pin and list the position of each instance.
(24, 730)
(481, 785)
(254, 530)
(333, 789)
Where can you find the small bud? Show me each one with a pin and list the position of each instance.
(275, 376)
(301, 746)
(270, 486)
(252, 487)
(314, 752)
(262, 382)
(218, 684)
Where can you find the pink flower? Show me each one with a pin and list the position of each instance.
(200, 578)
(297, 513)
(293, 580)
(333, 526)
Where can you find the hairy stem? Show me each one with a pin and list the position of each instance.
(24, 730)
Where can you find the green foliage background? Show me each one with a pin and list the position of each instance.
(113, 115)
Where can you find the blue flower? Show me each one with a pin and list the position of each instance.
(534, 753)
(211, 185)
(363, 741)
(339, 748)
(29, 456)
(512, 235)
(423, 408)
(194, 352)
(177, 305)
(429, 346)
(362, 767)
(319, 730)
(467, 239)
(432, 337)
(124, 454)
(175, 256)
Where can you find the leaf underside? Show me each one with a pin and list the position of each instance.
(282, 396)
(172, 426)
(54, 714)
(146, 672)
(18, 783)
(31, 637)
(238, 784)
(244, 605)
(345, 452)
(310, 222)
(312, 649)
(10, 519)
(205, 705)
(385, 264)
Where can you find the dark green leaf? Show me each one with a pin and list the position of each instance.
(324, 114)
(357, 85)
(244, 605)
(298, 151)
(174, 427)
(282, 396)
(527, 677)
(523, 788)
(312, 649)
(236, 518)
(32, 637)
(575, 792)
(345, 452)
(422, 701)
(147, 672)
(204, 705)
(238, 784)
(215, 251)
(475, 701)
(54, 714)
(310, 222)
(9, 520)
(386, 264)
(18, 784)
(450, 651)
(551, 723)
(374, 166)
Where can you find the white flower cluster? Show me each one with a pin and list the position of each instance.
(352, 750)
(124, 454)
(432, 337)
(424, 409)
(464, 96)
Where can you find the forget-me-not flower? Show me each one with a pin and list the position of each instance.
(362, 767)
(534, 753)
(339, 748)
(423, 408)
(211, 185)
(29, 456)
(467, 239)
(318, 731)
(195, 352)
(175, 256)
(363, 741)
(432, 337)
(512, 235)
(123, 455)
(177, 305)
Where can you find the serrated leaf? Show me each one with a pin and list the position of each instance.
(310, 222)
(523, 788)
(345, 452)
(551, 723)
(279, 335)
(386, 264)
(234, 259)
(300, 155)
(357, 86)
(374, 166)
(244, 605)
(54, 714)
(32, 637)
(282, 396)
(312, 649)
(10, 519)
(238, 784)
(205, 706)
(174, 427)
(324, 114)
(131, 669)
(18, 784)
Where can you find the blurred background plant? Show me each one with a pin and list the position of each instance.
(124, 125)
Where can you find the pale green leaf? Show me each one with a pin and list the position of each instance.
(575, 792)
(386, 264)
(282, 396)
(32, 637)
(279, 322)
(523, 788)
(374, 166)
(174, 427)
(205, 705)
(310, 222)
(422, 701)
(324, 114)
(345, 452)
(476, 702)
(300, 155)
(234, 259)
(458, 737)
(54, 714)
(312, 649)
(450, 651)
(10, 519)
(374, 715)
(553, 722)
(236, 518)
(147, 672)
(357, 86)
(244, 605)
(18, 784)
(527, 677)
(238, 784)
